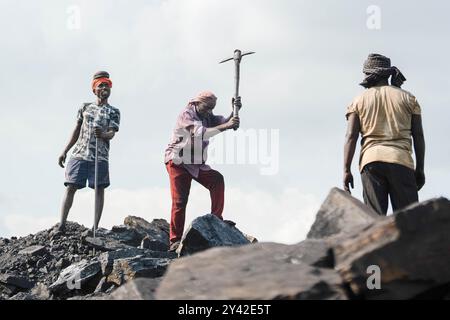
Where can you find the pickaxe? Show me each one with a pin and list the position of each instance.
(237, 63)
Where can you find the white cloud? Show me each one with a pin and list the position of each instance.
(283, 217)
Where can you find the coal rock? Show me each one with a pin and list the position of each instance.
(207, 232)
(409, 252)
(76, 277)
(341, 214)
(107, 259)
(263, 271)
(137, 267)
(16, 281)
(138, 289)
(33, 251)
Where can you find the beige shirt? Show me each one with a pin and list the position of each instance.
(385, 114)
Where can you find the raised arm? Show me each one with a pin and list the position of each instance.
(232, 123)
(73, 139)
(419, 149)
(229, 122)
(351, 138)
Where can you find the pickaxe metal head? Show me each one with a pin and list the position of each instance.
(237, 56)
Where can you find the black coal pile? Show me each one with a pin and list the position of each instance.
(76, 264)
(350, 253)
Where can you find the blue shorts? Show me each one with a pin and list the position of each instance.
(78, 171)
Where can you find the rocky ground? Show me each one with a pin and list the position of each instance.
(350, 253)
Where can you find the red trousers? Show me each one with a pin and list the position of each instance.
(180, 185)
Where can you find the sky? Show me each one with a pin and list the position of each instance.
(160, 54)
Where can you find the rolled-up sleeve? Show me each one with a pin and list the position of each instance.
(414, 105)
(80, 114)
(352, 108)
(114, 122)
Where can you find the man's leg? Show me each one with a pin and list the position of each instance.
(66, 205)
(402, 186)
(76, 176)
(180, 185)
(214, 182)
(103, 183)
(100, 193)
(375, 187)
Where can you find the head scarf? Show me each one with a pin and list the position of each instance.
(378, 66)
(206, 97)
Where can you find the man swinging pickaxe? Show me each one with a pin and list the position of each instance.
(237, 64)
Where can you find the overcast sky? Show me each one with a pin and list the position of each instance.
(305, 72)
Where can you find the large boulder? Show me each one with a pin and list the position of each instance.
(131, 234)
(107, 258)
(138, 289)
(83, 275)
(33, 251)
(137, 267)
(207, 232)
(16, 281)
(314, 252)
(103, 243)
(262, 271)
(341, 214)
(156, 231)
(411, 249)
(127, 235)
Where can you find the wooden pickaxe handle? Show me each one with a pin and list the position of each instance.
(237, 72)
(237, 76)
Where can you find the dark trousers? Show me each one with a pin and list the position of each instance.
(381, 180)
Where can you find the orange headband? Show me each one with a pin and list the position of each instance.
(97, 82)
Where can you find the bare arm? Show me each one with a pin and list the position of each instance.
(419, 149)
(232, 122)
(107, 135)
(351, 138)
(73, 139)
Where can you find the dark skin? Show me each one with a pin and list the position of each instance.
(351, 138)
(419, 149)
(204, 110)
(352, 135)
(102, 91)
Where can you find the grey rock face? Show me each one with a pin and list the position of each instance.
(104, 244)
(156, 231)
(33, 251)
(261, 271)
(76, 277)
(136, 267)
(107, 259)
(313, 252)
(138, 289)
(341, 214)
(16, 281)
(411, 249)
(207, 232)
